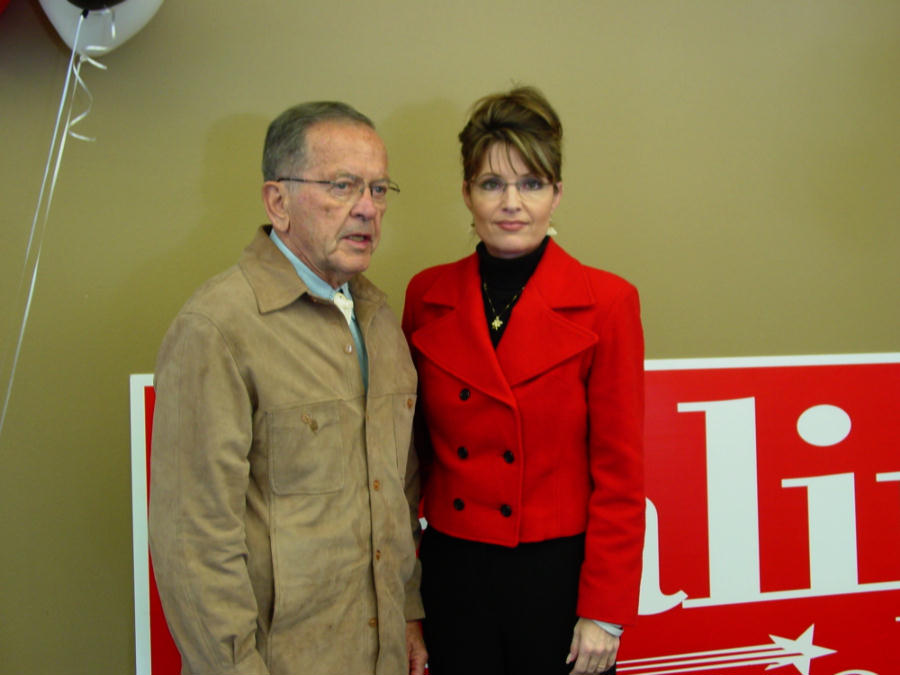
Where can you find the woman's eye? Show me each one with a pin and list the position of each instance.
(531, 184)
(490, 185)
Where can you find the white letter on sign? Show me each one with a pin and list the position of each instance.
(733, 502)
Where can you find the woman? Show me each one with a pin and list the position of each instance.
(531, 404)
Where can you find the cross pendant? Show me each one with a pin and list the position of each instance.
(496, 323)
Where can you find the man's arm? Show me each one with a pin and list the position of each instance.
(415, 648)
(202, 432)
(414, 609)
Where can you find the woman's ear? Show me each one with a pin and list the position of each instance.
(466, 195)
(557, 195)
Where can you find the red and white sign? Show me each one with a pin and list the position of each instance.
(773, 519)
(773, 534)
(155, 651)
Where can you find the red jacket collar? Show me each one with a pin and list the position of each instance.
(538, 337)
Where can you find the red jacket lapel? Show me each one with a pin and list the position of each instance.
(540, 336)
(453, 333)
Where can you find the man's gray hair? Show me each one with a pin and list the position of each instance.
(285, 146)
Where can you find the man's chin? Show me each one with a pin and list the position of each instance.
(354, 264)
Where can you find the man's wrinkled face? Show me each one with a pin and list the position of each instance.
(333, 237)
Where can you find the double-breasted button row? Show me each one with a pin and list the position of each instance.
(463, 453)
(505, 509)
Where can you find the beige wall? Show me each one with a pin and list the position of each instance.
(738, 161)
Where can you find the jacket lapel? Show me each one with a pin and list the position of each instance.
(539, 336)
(367, 299)
(457, 340)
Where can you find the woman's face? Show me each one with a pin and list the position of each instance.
(511, 206)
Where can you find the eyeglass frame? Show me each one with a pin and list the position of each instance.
(387, 182)
(503, 186)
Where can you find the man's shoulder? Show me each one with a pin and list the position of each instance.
(222, 295)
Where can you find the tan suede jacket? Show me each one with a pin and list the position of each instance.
(283, 497)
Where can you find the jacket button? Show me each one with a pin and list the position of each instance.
(373, 622)
(410, 403)
(459, 504)
(506, 511)
(462, 452)
(376, 484)
(378, 555)
(509, 457)
(348, 349)
(464, 394)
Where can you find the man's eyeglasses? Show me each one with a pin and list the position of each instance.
(346, 188)
(493, 186)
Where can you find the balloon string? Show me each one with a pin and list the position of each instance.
(79, 81)
(48, 187)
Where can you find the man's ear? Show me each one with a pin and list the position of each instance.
(275, 198)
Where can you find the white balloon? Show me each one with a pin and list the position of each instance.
(103, 30)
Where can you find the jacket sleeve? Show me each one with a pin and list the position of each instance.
(202, 433)
(413, 609)
(414, 477)
(610, 578)
(421, 440)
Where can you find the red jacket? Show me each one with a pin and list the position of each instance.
(541, 438)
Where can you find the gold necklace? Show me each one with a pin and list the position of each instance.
(497, 322)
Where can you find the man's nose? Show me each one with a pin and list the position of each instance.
(365, 205)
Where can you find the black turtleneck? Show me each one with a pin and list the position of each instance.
(503, 280)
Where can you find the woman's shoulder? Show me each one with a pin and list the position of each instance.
(438, 285)
(426, 278)
(609, 281)
(601, 281)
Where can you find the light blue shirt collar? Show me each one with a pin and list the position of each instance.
(316, 285)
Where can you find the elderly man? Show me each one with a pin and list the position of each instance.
(283, 486)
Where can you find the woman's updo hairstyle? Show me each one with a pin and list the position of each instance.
(522, 119)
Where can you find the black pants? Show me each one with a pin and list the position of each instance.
(494, 610)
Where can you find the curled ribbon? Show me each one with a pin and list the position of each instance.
(48, 183)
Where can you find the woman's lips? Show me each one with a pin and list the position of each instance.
(510, 224)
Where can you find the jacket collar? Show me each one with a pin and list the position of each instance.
(539, 335)
(276, 284)
(559, 278)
